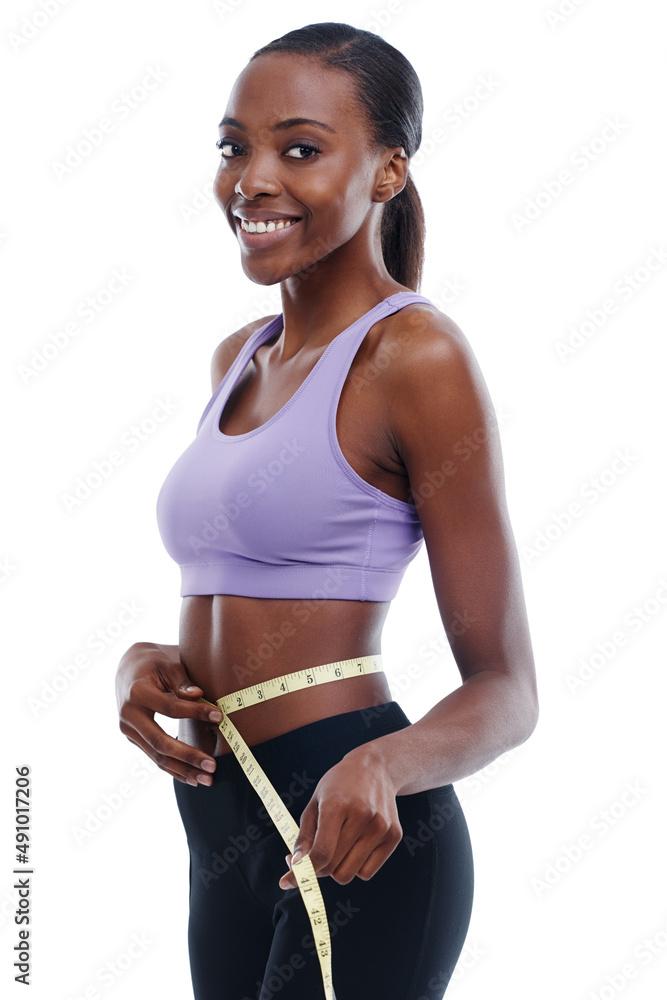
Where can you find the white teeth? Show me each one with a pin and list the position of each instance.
(265, 227)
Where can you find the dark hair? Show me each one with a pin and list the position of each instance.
(388, 88)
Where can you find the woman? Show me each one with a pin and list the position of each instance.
(342, 434)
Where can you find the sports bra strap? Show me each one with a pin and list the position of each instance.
(407, 298)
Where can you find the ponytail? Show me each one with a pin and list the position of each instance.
(402, 233)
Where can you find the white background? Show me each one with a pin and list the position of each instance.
(549, 920)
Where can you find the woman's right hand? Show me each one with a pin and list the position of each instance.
(149, 679)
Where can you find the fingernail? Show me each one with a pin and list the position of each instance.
(215, 715)
(208, 765)
(296, 857)
(190, 687)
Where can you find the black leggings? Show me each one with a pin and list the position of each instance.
(396, 936)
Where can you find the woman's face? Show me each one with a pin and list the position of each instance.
(317, 184)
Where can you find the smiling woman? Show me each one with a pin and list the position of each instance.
(292, 516)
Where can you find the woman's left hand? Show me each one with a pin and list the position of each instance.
(351, 825)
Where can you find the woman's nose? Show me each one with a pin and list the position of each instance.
(257, 178)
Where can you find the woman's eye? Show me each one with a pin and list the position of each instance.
(224, 145)
(304, 151)
(303, 148)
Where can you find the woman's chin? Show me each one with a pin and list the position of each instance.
(261, 278)
(264, 276)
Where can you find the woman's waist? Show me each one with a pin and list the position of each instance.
(228, 642)
(288, 697)
(270, 718)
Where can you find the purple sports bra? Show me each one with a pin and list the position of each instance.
(278, 511)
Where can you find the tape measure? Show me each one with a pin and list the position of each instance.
(303, 869)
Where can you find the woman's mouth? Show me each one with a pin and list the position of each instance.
(261, 234)
(248, 226)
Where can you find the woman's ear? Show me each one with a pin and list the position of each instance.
(392, 174)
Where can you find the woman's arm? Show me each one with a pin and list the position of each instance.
(445, 431)
(443, 426)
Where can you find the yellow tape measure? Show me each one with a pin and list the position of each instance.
(303, 869)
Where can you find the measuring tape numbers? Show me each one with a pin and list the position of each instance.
(304, 872)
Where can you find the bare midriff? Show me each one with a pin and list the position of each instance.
(228, 642)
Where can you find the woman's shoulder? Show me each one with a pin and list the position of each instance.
(423, 334)
(228, 348)
(433, 360)
(435, 389)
